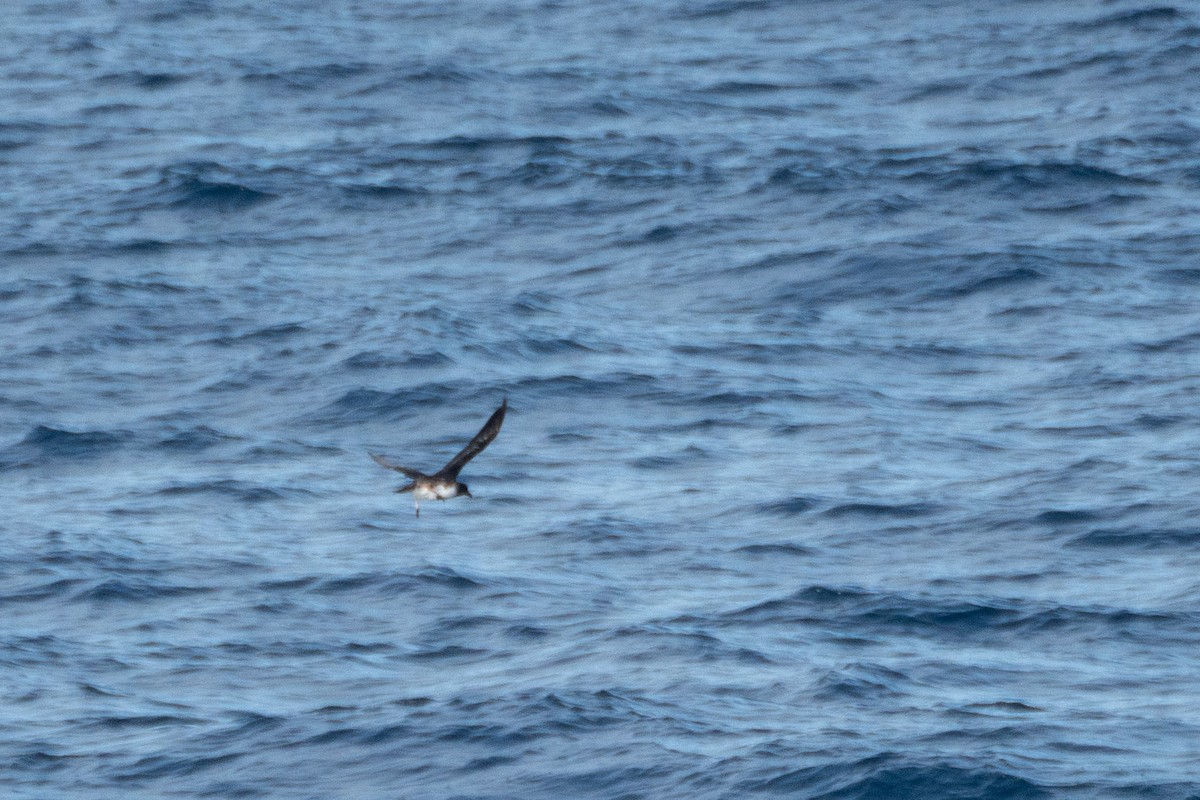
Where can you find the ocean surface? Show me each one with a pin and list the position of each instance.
(852, 351)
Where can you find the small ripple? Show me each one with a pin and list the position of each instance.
(384, 193)
(840, 609)
(288, 584)
(1184, 343)
(142, 721)
(45, 591)
(1067, 517)
(144, 80)
(370, 405)
(39, 761)
(238, 490)
(393, 583)
(1019, 276)
(374, 360)
(156, 767)
(1013, 179)
(618, 384)
(665, 462)
(1138, 539)
(937, 89)
(308, 78)
(195, 439)
(445, 576)
(44, 443)
(217, 196)
(651, 641)
(127, 590)
(446, 652)
(282, 331)
(897, 511)
(888, 775)
(1186, 276)
(1007, 706)
(775, 549)
(1142, 17)
(725, 8)
(860, 682)
(791, 507)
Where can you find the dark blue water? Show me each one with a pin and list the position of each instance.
(852, 351)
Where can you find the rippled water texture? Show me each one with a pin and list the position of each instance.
(851, 351)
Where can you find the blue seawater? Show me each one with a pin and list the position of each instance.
(852, 351)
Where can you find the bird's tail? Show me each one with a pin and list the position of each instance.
(407, 488)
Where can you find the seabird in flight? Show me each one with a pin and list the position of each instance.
(444, 484)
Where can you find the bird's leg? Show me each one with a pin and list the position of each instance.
(417, 506)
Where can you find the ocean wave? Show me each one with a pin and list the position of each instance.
(890, 775)
(861, 682)
(862, 610)
(1142, 17)
(460, 143)
(270, 333)
(895, 511)
(216, 195)
(1184, 343)
(196, 439)
(651, 642)
(772, 549)
(43, 444)
(62, 587)
(1138, 538)
(365, 405)
(888, 274)
(725, 8)
(449, 651)
(373, 360)
(201, 186)
(1068, 517)
(131, 590)
(396, 583)
(791, 507)
(1015, 178)
(157, 767)
(144, 80)
(241, 491)
(383, 192)
(142, 721)
(310, 78)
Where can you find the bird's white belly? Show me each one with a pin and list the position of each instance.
(441, 491)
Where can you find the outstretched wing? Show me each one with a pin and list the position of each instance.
(409, 473)
(481, 440)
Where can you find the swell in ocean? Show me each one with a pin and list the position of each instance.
(850, 354)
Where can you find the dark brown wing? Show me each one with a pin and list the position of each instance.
(409, 473)
(481, 440)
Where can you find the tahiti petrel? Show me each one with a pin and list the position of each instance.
(444, 484)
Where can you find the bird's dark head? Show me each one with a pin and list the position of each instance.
(462, 489)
